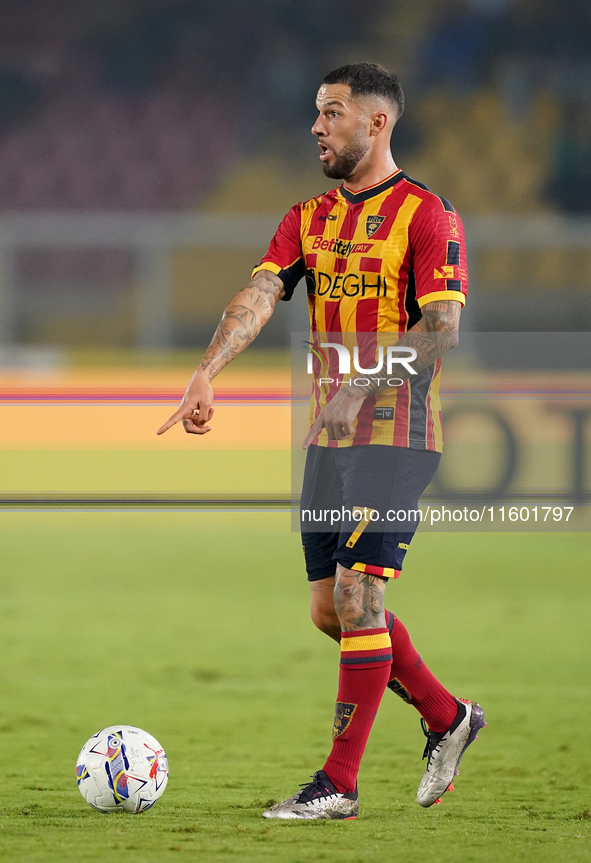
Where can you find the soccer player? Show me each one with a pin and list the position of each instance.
(381, 254)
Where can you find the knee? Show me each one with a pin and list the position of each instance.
(326, 621)
(322, 610)
(359, 599)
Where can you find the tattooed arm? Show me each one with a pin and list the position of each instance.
(242, 321)
(436, 333)
(431, 337)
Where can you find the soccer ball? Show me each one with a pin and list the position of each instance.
(122, 767)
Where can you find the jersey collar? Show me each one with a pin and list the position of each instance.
(372, 191)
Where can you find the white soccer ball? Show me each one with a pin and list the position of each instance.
(122, 767)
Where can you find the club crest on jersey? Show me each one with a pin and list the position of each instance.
(343, 715)
(372, 223)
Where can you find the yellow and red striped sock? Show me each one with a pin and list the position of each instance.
(366, 659)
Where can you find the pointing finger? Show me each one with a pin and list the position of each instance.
(173, 420)
(315, 429)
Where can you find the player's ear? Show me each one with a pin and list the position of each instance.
(379, 122)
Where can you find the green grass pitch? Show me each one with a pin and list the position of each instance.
(195, 627)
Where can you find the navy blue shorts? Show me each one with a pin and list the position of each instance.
(359, 507)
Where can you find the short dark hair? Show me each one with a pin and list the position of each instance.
(369, 79)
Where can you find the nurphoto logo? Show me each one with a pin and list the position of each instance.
(388, 357)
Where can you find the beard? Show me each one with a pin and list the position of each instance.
(346, 161)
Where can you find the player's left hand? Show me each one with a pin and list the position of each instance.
(337, 417)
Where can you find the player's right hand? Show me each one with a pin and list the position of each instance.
(195, 410)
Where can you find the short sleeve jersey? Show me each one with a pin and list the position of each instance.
(371, 260)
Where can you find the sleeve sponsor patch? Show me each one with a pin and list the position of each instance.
(448, 271)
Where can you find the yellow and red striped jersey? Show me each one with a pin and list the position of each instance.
(371, 260)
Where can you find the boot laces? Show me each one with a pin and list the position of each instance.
(433, 740)
(321, 786)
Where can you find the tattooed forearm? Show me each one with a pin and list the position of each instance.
(239, 326)
(242, 321)
(435, 334)
(359, 600)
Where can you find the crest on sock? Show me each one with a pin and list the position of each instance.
(342, 718)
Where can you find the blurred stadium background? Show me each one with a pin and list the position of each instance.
(148, 150)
